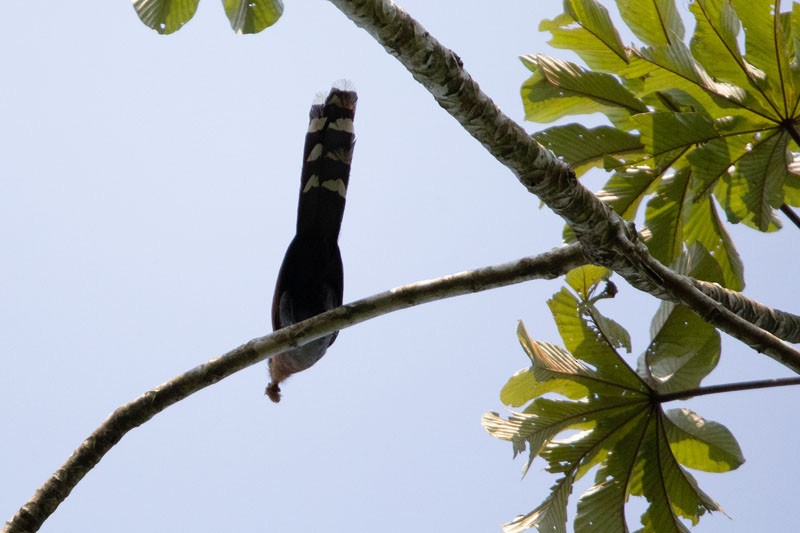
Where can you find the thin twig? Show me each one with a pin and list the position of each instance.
(49, 496)
(728, 387)
(791, 215)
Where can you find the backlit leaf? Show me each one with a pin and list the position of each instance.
(558, 88)
(655, 22)
(702, 444)
(165, 16)
(252, 16)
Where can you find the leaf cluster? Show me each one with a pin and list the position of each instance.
(245, 16)
(690, 123)
(613, 414)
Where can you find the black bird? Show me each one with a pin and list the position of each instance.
(310, 280)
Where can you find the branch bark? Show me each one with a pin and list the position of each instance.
(606, 239)
(49, 496)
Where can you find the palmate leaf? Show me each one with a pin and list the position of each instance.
(623, 434)
(727, 115)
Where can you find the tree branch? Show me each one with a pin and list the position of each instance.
(49, 496)
(606, 239)
(782, 324)
(728, 387)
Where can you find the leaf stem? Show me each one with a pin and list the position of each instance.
(791, 215)
(728, 387)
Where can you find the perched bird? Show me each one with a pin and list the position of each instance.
(310, 280)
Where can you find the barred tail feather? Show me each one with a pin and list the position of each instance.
(326, 165)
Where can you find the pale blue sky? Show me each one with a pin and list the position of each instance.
(147, 195)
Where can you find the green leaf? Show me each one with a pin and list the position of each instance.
(764, 169)
(792, 22)
(673, 67)
(553, 370)
(664, 217)
(755, 189)
(767, 50)
(252, 16)
(624, 191)
(712, 160)
(698, 263)
(517, 390)
(665, 131)
(559, 88)
(586, 28)
(617, 429)
(585, 279)
(589, 344)
(601, 507)
(703, 226)
(702, 444)
(615, 335)
(671, 491)
(585, 148)
(550, 516)
(715, 45)
(655, 22)
(524, 431)
(165, 16)
(684, 349)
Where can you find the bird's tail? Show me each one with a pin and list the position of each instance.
(326, 165)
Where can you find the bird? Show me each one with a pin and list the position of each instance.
(311, 277)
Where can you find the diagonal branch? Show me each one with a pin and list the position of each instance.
(606, 239)
(49, 496)
(782, 324)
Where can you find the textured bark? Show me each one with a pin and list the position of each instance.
(607, 239)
